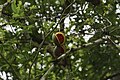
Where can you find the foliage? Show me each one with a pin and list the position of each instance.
(92, 39)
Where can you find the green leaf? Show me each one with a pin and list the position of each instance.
(13, 6)
(62, 2)
(8, 0)
(16, 15)
(33, 7)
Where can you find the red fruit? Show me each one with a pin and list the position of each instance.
(58, 51)
(59, 38)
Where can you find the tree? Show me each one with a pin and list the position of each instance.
(91, 28)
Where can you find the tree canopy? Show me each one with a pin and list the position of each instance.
(92, 39)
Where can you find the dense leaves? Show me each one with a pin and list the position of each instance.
(92, 31)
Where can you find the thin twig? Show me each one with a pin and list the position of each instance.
(48, 71)
(88, 44)
(67, 8)
(113, 43)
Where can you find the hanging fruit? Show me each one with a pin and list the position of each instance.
(58, 51)
(59, 38)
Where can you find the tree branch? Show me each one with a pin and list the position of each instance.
(88, 44)
(48, 71)
(113, 43)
